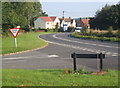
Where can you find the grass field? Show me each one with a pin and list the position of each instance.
(25, 42)
(56, 78)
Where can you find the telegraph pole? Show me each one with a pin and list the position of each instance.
(63, 13)
(63, 20)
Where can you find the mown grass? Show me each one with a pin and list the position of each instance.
(25, 41)
(14, 77)
(112, 39)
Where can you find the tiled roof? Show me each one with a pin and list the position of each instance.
(65, 19)
(46, 18)
(53, 18)
(85, 21)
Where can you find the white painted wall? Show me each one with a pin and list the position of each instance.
(40, 23)
(56, 21)
(74, 23)
(49, 25)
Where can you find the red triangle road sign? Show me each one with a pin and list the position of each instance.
(14, 31)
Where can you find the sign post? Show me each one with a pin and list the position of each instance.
(15, 32)
(15, 42)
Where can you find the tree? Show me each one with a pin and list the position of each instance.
(20, 13)
(108, 16)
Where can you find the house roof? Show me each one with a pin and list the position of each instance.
(85, 21)
(65, 19)
(53, 18)
(46, 18)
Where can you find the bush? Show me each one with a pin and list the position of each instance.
(110, 29)
(34, 30)
(50, 30)
(109, 33)
(94, 37)
(84, 30)
(70, 29)
(118, 33)
(5, 34)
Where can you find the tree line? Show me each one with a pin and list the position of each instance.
(108, 16)
(20, 14)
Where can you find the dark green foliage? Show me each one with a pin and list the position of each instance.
(20, 14)
(84, 30)
(108, 16)
(98, 36)
(110, 29)
(56, 29)
(110, 33)
(71, 29)
(118, 33)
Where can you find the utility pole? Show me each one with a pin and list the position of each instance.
(63, 20)
(63, 13)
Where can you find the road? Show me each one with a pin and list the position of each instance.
(58, 54)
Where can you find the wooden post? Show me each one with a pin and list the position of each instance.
(74, 62)
(101, 61)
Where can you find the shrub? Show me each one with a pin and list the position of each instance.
(84, 31)
(71, 29)
(5, 34)
(110, 29)
(109, 33)
(91, 31)
(118, 33)
(49, 30)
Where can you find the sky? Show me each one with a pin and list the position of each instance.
(74, 8)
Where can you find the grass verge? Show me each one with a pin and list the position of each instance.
(25, 42)
(13, 77)
(112, 39)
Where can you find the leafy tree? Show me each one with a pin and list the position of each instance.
(20, 13)
(108, 16)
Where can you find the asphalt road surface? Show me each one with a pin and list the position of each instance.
(58, 54)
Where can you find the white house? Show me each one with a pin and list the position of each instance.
(46, 22)
(56, 21)
(67, 22)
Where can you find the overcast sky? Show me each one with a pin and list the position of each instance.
(74, 8)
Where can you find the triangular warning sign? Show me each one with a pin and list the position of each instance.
(14, 31)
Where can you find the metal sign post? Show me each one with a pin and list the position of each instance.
(15, 42)
(15, 32)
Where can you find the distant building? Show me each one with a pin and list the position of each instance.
(46, 22)
(83, 22)
(67, 22)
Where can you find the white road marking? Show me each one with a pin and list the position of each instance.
(15, 58)
(114, 55)
(108, 53)
(84, 42)
(53, 56)
(85, 49)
